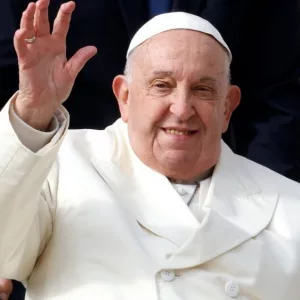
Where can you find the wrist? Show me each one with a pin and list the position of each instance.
(37, 118)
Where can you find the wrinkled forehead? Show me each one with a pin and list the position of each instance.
(181, 47)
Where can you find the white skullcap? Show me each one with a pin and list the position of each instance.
(175, 20)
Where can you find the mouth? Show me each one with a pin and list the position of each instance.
(179, 131)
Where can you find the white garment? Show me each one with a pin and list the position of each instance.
(72, 224)
(194, 196)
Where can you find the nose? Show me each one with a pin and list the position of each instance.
(182, 106)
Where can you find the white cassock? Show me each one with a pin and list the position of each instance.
(81, 217)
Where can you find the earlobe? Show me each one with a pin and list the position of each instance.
(120, 89)
(232, 102)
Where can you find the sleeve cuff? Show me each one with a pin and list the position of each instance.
(31, 138)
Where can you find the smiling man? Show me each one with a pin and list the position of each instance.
(176, 97)
(154, 207)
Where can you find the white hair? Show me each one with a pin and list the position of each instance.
(128, 67)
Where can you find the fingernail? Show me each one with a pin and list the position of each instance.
(3, 297)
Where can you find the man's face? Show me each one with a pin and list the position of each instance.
(177, 102)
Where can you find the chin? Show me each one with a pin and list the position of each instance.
(179, 156)
(178, 164)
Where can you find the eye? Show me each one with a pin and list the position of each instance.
(204, 92)
(203, 89)
(161, 85)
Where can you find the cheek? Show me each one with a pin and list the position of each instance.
(207, 112)
(148, 112)
(211, 115)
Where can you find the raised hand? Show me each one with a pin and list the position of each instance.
(46, 77)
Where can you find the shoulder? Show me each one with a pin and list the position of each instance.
(285, 221)
(102, 144)
(268, 179)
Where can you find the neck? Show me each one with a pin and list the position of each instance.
(199, 178)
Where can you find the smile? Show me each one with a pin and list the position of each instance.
(179, 132)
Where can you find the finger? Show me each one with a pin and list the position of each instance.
(5, 288)
(41, 20)
(79, 59)
(27, 19)
(62, 20)
(20, 44)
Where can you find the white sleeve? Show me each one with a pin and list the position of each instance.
(27, 195)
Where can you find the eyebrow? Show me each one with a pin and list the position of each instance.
(207, 79)
(202, 79)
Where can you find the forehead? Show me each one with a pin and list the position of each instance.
(182, 49)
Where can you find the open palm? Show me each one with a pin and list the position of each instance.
(46, 76)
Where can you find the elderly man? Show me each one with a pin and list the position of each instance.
(154, 207)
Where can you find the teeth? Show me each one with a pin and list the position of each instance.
(177, 132)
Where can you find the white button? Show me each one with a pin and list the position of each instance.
(167, 275)
(181, 191)
(232, 289)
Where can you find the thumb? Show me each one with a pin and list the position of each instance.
(79, 59)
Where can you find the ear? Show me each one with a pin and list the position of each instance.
(232, 101)
(120, 89)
